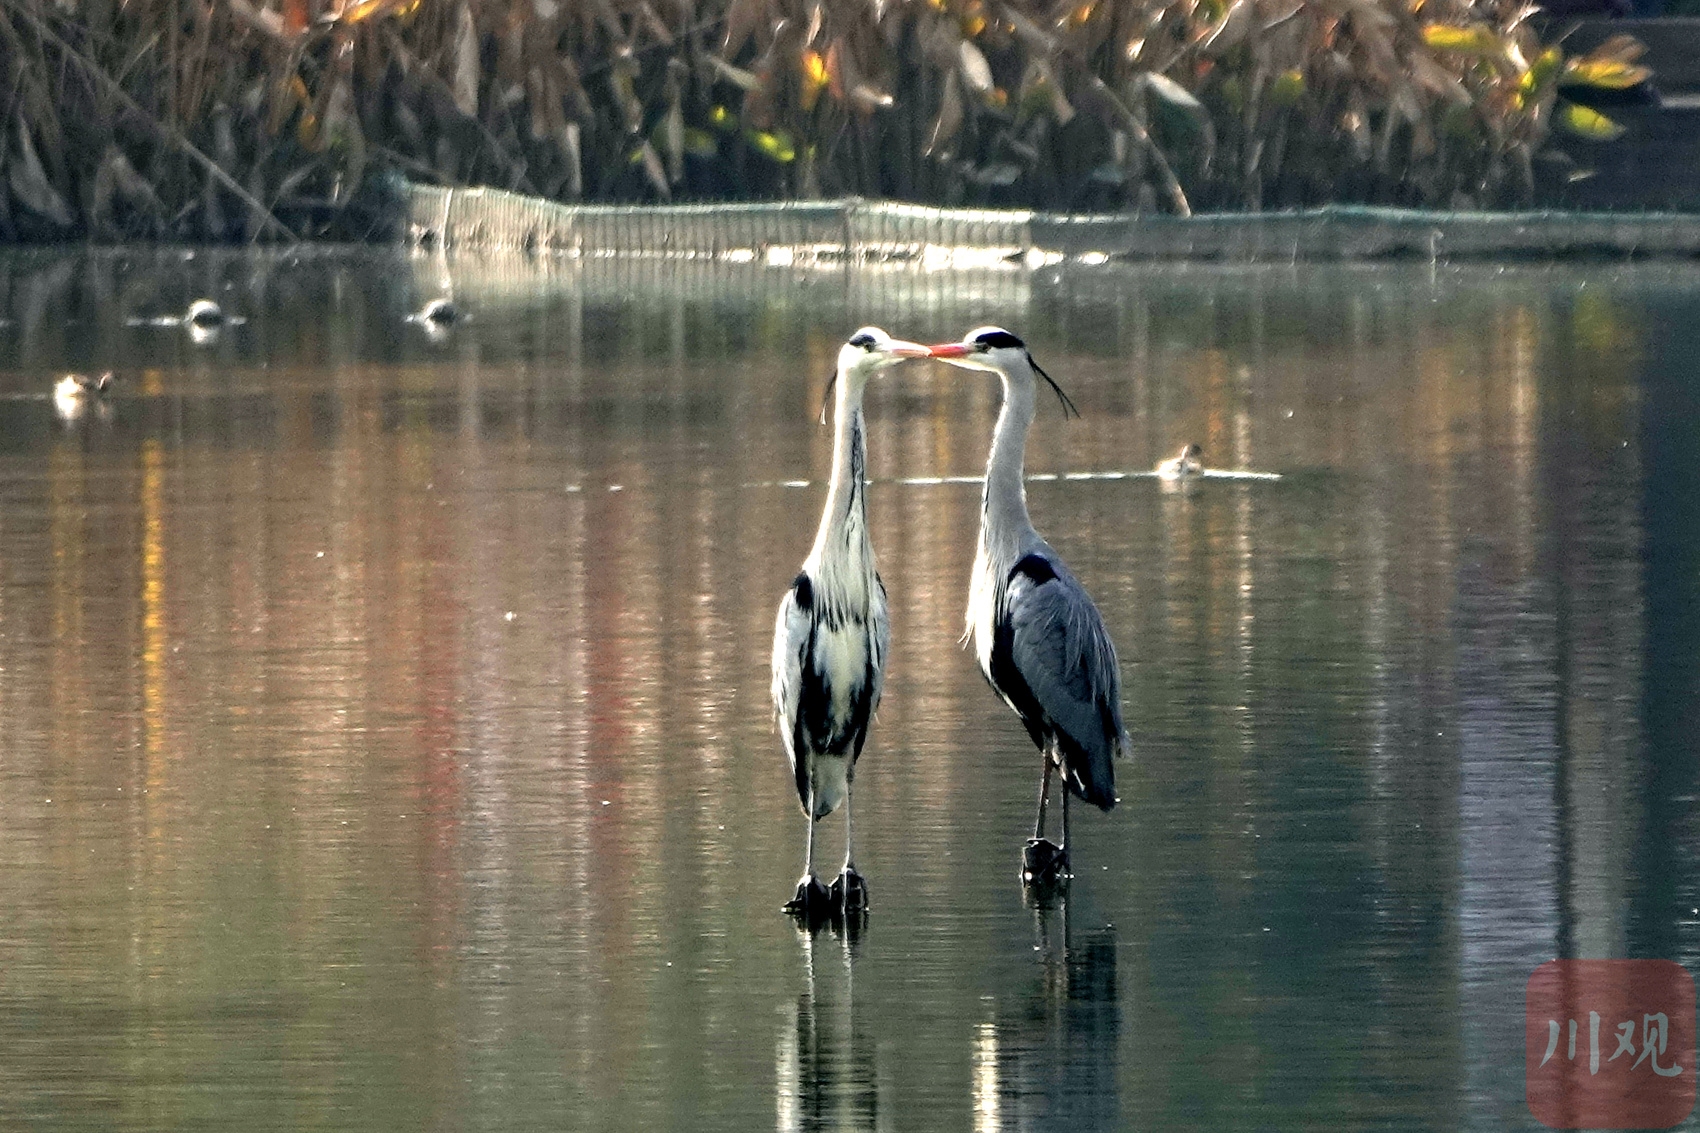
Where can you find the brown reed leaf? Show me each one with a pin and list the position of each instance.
(464, 82)
(948, 121)
(267, 22)
(1224, 102)
(30, 183)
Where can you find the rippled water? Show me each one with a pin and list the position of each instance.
(384, 735)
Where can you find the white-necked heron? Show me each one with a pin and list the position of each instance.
(832, 634)
(1040, 641)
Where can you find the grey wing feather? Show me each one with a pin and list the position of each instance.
(1061, 649)
(881, 617)
(790, 641)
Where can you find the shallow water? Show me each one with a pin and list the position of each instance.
(385, 744)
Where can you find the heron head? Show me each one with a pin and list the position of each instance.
(998, 351)
(866, 354)
(1192, 452)
(870, 350)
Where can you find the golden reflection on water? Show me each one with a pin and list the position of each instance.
(403, 706)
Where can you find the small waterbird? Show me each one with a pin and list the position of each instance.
(204, 313)
(436, 312)
(73, 393)
(1040, 641)
(1182, 467)
(832, 634)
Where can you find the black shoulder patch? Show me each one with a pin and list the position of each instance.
(805, 592)
(1036, 567)
(993, 339)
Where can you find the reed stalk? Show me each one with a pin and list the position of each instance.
(278, 119)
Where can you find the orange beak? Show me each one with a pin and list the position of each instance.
(949, 350)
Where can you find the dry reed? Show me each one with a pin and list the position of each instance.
(278, 118)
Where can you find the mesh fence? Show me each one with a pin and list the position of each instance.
(951, 238)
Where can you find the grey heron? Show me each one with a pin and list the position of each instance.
(832, 634)
(1040, 641)
(1182, 467)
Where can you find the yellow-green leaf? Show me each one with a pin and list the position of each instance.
(700, 143)
(1465, 41)
(815, 71)
(1620, 48)
(775, 144)
(1544, 67)
(1288, 87)
(1587, 123)
(1606, 74)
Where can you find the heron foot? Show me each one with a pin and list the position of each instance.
(812, 900)
(1044, 863)
(849, 892)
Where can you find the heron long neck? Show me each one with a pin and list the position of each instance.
(1004, 522)
(843, 524)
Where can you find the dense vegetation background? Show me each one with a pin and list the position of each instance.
(235, 119)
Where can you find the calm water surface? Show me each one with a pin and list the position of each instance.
(385, 742)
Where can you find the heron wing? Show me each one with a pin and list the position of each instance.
(1060, 650)
(880, 639)
(792, 631)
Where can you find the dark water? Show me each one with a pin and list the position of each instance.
(384, 735)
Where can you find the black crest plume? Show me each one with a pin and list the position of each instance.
(1068, 406)
(826, 399)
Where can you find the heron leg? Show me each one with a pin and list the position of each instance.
(1062, 858)
(1044, 797)
(1043, 862)
(849, 797)
(809, 838)
(810, 900)
(849, 891)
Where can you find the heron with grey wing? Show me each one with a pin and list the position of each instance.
(832, 634)
(1039, 638)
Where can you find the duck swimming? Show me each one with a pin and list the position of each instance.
(438, 312)
(73, 393)
(204, 313)
(1182, 467)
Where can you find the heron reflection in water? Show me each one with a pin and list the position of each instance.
(832, 635)
(1039, 638)
(826, 1075)
(1049, 1059)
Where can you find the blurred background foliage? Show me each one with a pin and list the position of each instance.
(245, 118)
